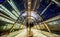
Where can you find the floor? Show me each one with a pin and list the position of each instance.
(34, 32)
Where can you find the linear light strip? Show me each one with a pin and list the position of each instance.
(2, 8)
(52, 19)
(35, 5)
(14, 6)
(2, 15)
(56, 2)
(45, 8)
(14, 13)
(6, 20)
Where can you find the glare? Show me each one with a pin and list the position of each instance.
(33, 14)
(37, 33)
(23, 33)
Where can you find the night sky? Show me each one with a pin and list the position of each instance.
(53, 9)
(1, 1)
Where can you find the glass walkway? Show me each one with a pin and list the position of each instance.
(30, 18)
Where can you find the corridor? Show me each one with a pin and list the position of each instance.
(29, 18)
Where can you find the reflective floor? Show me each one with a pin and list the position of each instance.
(34, 33)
